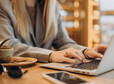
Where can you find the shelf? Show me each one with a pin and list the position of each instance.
(68, 8)
(95, 3)
(74, 28)
(69, 18)
(95, 17)
(107, 12)
(66, 1)
(83, 14)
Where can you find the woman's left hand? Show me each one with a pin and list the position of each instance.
(96, 52)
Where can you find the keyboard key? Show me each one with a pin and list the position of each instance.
(87, 66)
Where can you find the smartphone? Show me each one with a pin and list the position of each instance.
(63, 77)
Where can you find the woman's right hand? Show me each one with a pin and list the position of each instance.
(65, 56)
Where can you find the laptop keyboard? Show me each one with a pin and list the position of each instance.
(87, 66)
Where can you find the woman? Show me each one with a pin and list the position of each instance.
(32, 27)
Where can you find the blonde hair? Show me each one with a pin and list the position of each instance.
(49, 19)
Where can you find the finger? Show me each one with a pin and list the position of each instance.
(80, 54)
(97, 55)
(101, 47)
(73, 54)
(68, 60)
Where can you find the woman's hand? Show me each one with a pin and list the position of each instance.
(96, 52)
(65, 56)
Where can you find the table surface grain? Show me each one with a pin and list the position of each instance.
(34, 76)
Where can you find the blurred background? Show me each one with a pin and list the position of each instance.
(88, 22)
(107, 20)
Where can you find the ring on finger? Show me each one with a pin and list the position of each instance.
(66, 54)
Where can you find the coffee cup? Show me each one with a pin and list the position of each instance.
(6, 54)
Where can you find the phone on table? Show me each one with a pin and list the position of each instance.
(63, 77)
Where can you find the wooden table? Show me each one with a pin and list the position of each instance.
(34, 76)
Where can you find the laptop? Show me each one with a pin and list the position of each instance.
(92, 67)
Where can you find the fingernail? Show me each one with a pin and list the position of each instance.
(101, 56)
(73, 61)
(81, 59)
(84, 60)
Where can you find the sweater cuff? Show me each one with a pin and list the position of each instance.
(44, 57)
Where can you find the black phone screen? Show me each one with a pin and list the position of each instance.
(66, 78)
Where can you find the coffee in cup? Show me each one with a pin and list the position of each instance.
(6, 54)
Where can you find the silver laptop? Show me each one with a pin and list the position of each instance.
(94, 67)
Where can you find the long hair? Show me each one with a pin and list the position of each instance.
(49, 19)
